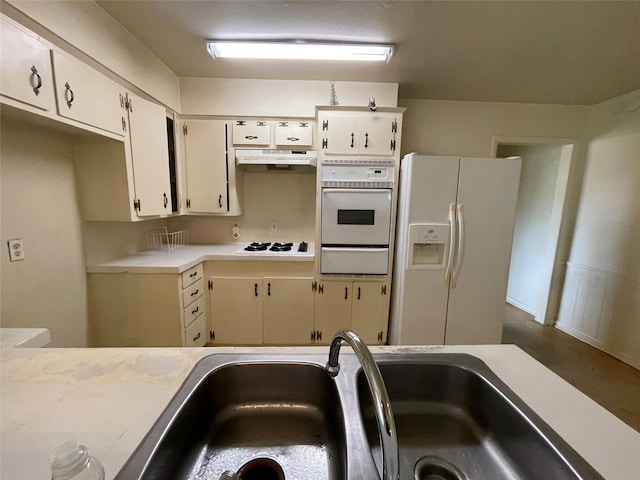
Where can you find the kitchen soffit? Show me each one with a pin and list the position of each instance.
(537, 52)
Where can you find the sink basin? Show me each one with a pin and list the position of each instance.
(274, 416)
(456, 420)
(270, 418)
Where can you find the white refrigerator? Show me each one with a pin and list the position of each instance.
(453, 247)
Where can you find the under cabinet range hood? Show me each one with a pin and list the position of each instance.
(277, 160)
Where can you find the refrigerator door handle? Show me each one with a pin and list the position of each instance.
(460, 252)
(452, 241)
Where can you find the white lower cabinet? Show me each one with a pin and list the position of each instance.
(261, 310)
(360, 306)
(147, 309)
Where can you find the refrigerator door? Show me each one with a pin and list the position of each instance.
(487, 196)
(428, 186)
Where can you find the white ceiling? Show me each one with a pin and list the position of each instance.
(562, 52)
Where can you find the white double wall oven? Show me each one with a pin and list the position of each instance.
(356, 215)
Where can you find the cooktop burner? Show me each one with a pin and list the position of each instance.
(275, 248)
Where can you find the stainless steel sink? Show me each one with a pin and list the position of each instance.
(273, 416)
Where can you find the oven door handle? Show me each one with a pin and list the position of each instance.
(357, 190)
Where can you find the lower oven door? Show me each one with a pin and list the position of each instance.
(358, 216)
(352, 260)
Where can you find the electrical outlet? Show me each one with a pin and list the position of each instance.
(274, 226)
(16, 249)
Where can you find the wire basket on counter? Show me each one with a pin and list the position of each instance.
(161, 238)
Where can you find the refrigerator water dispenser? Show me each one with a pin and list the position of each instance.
(428, 245)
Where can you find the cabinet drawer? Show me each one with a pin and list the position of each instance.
(193, 292)
(196, 334)
(192, 275)
(193, 311)
(251, 133)
(294, 133)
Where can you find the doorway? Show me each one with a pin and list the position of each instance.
(536, 271)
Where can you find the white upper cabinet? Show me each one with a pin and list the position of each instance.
(149, 156)
(359, 133)
(209, 172)
(251, 132)
(85, 95)
(294, 133)
(25, 67)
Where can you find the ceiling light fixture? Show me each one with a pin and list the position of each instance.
(299, 50)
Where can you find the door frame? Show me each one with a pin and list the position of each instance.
(551, 283)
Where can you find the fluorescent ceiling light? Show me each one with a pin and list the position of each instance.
(300, 50)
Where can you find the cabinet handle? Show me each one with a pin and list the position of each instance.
(293, 139)
(255, 289)
(346, 293)
(193, 274)
(269, 289)
(220, 200)
(196, 337)
(68, 94)
(193, 312)
(250, 137)
(195, 293)
(34, 73)
(358, 293)
(166, 200)
(366, 140)
(352, 139)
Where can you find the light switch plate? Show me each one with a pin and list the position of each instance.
(16, 249)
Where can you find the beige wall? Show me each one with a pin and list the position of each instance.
(601, 297)
(48, 288)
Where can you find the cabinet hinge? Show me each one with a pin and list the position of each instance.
(394, 127)
(124, 124)
(314, 286)
(380, 337)
(241, 123)
(318, 335)
(185, 130)
(325, 143)
(320, 288)
(325, 125)
(393, 145)
(212, 335)
(210, 284)
(128, 103)
(121, 100)
(188, 202)
(304, 124)
(261, 124)
(283, 124)
(136, 205)
(313, 336)
(383, 290)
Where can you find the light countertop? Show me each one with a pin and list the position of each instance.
(109, 398)
(187, 256)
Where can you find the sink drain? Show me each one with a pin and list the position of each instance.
(261, 469)
(437, 468)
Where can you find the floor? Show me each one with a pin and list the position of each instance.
(608, 381)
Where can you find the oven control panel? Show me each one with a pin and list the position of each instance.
(357, 173)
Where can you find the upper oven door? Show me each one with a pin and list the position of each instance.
(358, 216)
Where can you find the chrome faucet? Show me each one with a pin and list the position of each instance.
(382, 406)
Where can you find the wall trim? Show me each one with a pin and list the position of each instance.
(522, 306)
(603, 271)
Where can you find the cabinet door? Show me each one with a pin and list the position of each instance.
(332, 309)
(85, 95)
(206, 165)
(341, 135)
(251, 133)
(25, 67)
(370, 311)
(294, 133)
(149, 155)
(236, 310)
(288, 310)
(377, 135)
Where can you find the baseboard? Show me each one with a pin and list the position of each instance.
(594, 342)
(521, 306)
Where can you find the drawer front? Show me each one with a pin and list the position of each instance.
(193, 292)
(193, 311)
(196, 334)
(192, 275)
(251, 133)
